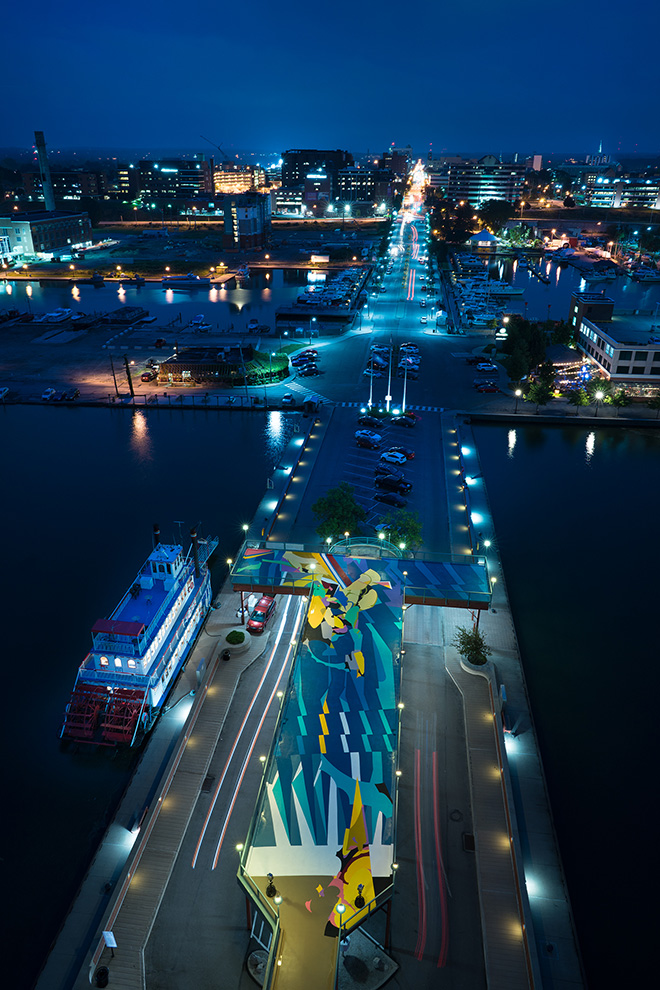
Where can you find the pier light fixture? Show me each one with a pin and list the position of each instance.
(381, 536)
(517, 394)
(401, 706)
(271, 889)
(245, 527)
(346, 534)
(277, 899)
(229, 561)
(167, 268)
(341, 909)
(328, 540)
(487, 543)
(239, 847)
(399, 773)
(262, 759)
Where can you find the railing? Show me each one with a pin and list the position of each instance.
(425, 555)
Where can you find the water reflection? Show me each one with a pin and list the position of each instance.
(590, 445)
(511, 442)
(140, 436)
(75, 292)
(28, 290)
(274, 427)
(9, 289)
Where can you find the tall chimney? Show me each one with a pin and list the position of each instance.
(156, 535)
(193, 537)
(44, 169)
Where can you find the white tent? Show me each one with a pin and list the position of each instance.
(483, 238)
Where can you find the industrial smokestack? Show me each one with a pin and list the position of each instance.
(156, 535)
(195, 550)
(44, 170)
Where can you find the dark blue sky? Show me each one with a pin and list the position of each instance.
(508, 76)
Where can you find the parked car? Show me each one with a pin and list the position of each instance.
(368, 435)
(301, 361)
(423, 320)
(288, 399)
(403, 421)
(161, 342)
(4, 391)
(399, 485)
(404, 451)
(411, 374)
(388, 469)
(71, 394)
(309, 371)
(148, 376)
(366, 442)
(48, 394)
(487, 387)
(393, 457)
(370, 421)
(262, 612)
(309, 352)
(370, 373)
(411, 348)
(486, 366)
(57, 396)
(391, 498)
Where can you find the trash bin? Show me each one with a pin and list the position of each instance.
(226, 655)
(102, 976)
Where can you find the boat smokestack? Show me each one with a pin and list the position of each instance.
(195, 551)
(44, 169)
(156, 535)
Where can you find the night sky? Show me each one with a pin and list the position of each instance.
(508, 76)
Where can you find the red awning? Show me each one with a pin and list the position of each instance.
(118, 628)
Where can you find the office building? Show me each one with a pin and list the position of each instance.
(616, 193)
(489, 178)
(174, 178)
(43, 235)
(232, 179)
(297, 164)
(624, 347)
(366, 185)
(67, 184)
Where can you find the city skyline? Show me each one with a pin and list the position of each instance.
(512, 78)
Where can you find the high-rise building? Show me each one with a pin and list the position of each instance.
(298, 163)
(487, 178)
(357, 184)
(175, 178)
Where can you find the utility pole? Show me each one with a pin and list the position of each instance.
(112, 365)
(128, 375)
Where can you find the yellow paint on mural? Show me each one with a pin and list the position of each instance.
(359, 659)
(322, 748)
(324, 724)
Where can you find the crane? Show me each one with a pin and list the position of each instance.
(222, 152)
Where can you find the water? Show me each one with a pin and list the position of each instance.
(78, 504)
(574, 514)
(553, 301)
(258, 298)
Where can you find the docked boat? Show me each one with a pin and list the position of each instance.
(188, 281)
(95, 279)
(135, 280)
(57, 316)
(138, 651)
(646, 275)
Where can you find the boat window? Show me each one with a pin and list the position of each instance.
(169, 569)
(161, 568)
(117, 661)
(104, 661)
(131, 663)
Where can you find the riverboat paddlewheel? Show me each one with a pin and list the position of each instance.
(106, 718)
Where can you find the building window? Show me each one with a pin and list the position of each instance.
(641, 355)
(623, 369)
(638, 369)
(655, 371)
(625, 356)
(656, 357)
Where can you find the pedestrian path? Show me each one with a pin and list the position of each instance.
(360, 405)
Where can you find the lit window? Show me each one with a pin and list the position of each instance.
(131, 664)
(104, 661)
(117, 661)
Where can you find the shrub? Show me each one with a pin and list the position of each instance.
(235, 637)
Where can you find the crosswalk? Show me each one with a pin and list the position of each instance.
(359, 405)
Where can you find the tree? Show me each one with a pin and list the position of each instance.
(562, 333)
(403, 526)
(494, 213)
(619, 399)
(569, 202)
(517, 365)
(578, 397)
(654, 403)
(540, 393)
(338, 511)
(547, 374)
(471, 645)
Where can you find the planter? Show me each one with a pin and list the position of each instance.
(236, 648)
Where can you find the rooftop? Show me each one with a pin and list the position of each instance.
(634, 327)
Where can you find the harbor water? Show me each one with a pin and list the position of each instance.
(78, 505)
(572, 520)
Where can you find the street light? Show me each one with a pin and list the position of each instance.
(517, 394)
(599, 396)
(312, 320)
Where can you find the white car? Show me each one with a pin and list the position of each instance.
(48, 394)
(423, 320)
(393, 457)
(368, 435)
(486, 366)
(288, 400)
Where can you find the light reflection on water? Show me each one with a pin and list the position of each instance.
(512, 437)
(590, 446)
(140, 437)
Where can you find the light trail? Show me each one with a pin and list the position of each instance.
(240, 733)
(444, 944)
(421, 902)
(253, 744)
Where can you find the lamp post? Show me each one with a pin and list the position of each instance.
(312, 320)
(599, 396)
(405, 383)
(517, 393)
